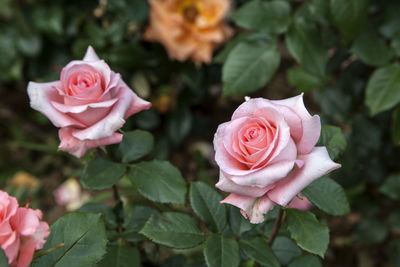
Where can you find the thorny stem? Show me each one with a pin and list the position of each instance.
(277, 225)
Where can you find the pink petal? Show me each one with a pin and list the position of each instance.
(41, 95)
(316, 164)
(90, 55)
(311, 133)
(12, 251)
(25, 221)
(300, 202)
(296, 103)
(78, 147)
(128, 103)
(227, 185)
(251, 208)
(266, 176)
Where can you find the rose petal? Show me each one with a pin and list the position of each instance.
(128, 103)
(297, 104)
(311, 133)
(25, 221)
(316, 164)
(266, 176)
(227, 185)
(41, 95)
(251, 208)
(81, 108)
(78, 147)
(90, 55)
(300, 202)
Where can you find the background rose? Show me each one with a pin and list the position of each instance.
(267, 154)
(189, 29)
(21, 231)
(89, 103)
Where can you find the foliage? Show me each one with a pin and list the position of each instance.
(342, 53)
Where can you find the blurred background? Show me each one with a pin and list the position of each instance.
(39, 37)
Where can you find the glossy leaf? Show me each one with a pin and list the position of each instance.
(327, 195)
(241, 71)
(134, 222)
(135, 145)
(306, 260)
(221, 251)
(258, 249)
(382, 89)
(159, 181)
(391, 187)
(205, 202)
(100, 174)
(333, 139)
(120, 256)
(76, 231)
(173, 229)
(285, 249)
(307, 231)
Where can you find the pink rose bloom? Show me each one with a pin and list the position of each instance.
(267, 154)
(300, 202)
(21, 231)
(89, 103)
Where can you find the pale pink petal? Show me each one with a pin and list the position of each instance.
(297, 104)
(128, 103)
(90, 55)
(311, 133)
(26, 252)
(78, 147)
(316, 164)
(300, 202)
(41, 95)
(293, 120)
(252, 208)
(266, 176)
(12, 251)
(227, 185)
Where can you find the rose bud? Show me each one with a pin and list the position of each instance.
(89, 103)
(22, 231)
(189, 29)
(267, 154)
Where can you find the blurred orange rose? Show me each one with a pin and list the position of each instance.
(189, 28)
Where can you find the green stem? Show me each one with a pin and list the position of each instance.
(44, 252)
(277, 225)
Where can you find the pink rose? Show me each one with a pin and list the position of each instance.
(21, 231)
(267, 154)
(89, 103)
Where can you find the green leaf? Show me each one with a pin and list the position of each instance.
(135, 220)
(371, 231)
(258, 249)
(3, 259)
(267, 17)
(49, 19)
(205, 202)
(109, 216)
(333, 138)
(394, 220)
(249, 66)
(382, 89)
(391, 187)
(303, 41)
(306, 260)
(159, 181)
(370, 48)
(307, 231)
(304, 81)
(173, 229)
(285, 249)
(224, 53)
(120, 256)
(84, 236)
(237, 222)
(396, 126)
(328, 195)
(29, 44)
(135, 145)
(221, 252)
(100, 174)
(349, 16)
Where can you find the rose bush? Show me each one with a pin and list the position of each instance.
(188, 28)
(22, 231)
(267, 154)
(89, 103)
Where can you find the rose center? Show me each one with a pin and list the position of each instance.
(190, 13)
